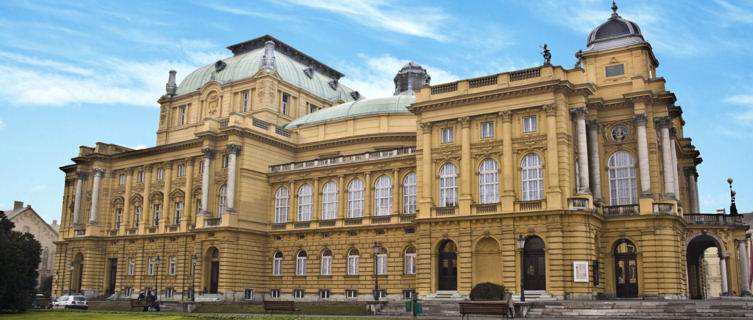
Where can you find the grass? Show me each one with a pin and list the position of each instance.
(117, 315)
(340, 309)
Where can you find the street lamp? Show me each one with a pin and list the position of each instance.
(521, 246)
(732, 206)
(194, 259)
(156, 276)
(376, 272)
(70, 281)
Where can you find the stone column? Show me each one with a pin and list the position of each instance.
(508, 167)
(396, 203)
(80, 177)
(189, 203)
(742, 253)
(723, 269)
(98, 173)
(466, 172)
(127, 209)
(316, 201)
(426, 174)
(690, 175)
(580, 131)
(167, 203)
(233, 150)
(368, 196)
(342, 198)
(554, 194)
(594, 162)
(147, 211)
(675, 168)
(640, 125)
(208, 155)
(662, 123)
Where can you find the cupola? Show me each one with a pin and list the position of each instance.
(616, 32)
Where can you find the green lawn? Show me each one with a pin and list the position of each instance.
(74, 315)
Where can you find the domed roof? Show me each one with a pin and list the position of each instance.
(389, 105)
(288, 63)
(616, 32)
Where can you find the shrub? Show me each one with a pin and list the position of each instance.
(488, 291)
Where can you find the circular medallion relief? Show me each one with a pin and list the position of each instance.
(619, 133)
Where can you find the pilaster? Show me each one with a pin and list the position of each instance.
(464, 201)
(553, 192)
(508, 192)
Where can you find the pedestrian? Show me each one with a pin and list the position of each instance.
(141, 299)
(149, 300)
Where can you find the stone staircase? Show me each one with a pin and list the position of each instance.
(534, 295)
(726, 308)
(431, 308)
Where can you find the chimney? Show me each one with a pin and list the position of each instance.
(268, 61)
(410, 78)
(18, 205)
(171, 87)
(54, 222)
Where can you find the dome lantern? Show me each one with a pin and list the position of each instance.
(614, 33)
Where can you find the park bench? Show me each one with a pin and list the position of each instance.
(484, 308)
(280, 306)
(138, 303)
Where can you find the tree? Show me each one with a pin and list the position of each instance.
(19, 259)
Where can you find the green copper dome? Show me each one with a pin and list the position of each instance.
(388, 105)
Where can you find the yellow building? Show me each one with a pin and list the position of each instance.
(272, 180)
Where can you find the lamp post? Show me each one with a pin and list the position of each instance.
(732, 206)
(376, 272)
(57, 275)
(156, 276)
(70, 281)
(194, 258)
(521, 246)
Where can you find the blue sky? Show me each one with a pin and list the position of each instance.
(76, 72)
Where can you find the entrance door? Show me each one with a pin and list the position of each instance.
(447, 267)
(214, 278)
(626, 269)
(534, 264)
(113, 276)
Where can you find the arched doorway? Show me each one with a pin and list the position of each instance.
(534, 264)
(77, 273)
(447, 267)
(487, 262)
(702, 272)
(626, 269)
(212, 270)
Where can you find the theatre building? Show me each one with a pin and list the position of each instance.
(270, 179)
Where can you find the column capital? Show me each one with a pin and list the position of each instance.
(208, 153)
(690, 171)
(640, 119)
(98, 172)
(81, 175)
(233, 148)
(592, 124)
(506, 116)
(550, 109)
(465, 122)
(672, 132)
(662, 122)
(579, 113)
(425, 127)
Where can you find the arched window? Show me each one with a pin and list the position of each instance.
(281, 205)
(277, 264)
(448, 185)
(355, 198)
(488, 182)
(383, 196)
(409, 193)
(222, 201)
(304, 203)
(353, 261)
(622, 187)
(300, 263)
(329, 201)
(381, 261)
(326, 263)
(409, 265)
(532, 178)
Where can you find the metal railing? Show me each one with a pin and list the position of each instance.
(621, 211)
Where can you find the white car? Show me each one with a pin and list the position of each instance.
(70, 302)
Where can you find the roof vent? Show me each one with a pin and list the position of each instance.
(219, 65)
(268, 61)
(309, 72)
(355, 94)
(411, 77)
(171, 87)
(333, 84)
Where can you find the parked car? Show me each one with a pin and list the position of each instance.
(70, 302)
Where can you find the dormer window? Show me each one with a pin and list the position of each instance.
(312, 108)
(245, 100)
(182, 115)
(616, 70)
(309, 72)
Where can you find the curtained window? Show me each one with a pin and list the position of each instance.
(383, 196)
(532, 178)
(488, 182)
(622, 185)
(448, 186)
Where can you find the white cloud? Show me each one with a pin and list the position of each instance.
(39, 188)
(242, 12)
(743, 117)
(32, 61)
(373, 76)
(2, 124)
(139, 147)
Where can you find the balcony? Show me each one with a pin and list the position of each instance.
(327, 223)
(113, 232)
(577, 203)
(152, 230)
(407, 217)
(626, 210)
(664, 208)
(353, 221)
(444, 211)
(532, 205)
(173, 228)
(713, 219)
(279, 226)
(79, 233)
(214, 222)
(361, 157)
(382, 219)
(133, 230)
(487, 208)
(301, 225)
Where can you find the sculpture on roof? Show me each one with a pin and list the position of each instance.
(579, 56)
(547, 55)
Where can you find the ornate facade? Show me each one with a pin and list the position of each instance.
(271, 180)
(27, 220)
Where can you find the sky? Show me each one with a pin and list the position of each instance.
(73, 73)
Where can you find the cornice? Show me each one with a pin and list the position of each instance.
(409, 136)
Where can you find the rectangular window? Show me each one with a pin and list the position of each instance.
(136, 216)
(131, 266)
(529, 124)
(182, 115)
(617, 70)
(408, 293)
(245, 100)
(381, 263)
(157, 211)
(128, 291)
(312, 108)
(487, 129)
(351, 293)
(326, 265)
(140, 177)
(299, 293)
(178, 212)
(121, 180)
(225, 161)
(352, 265)
(181, 170)
(275, 293)
(150, 267)
(169, 291)
(448, 135)
(198, 206)
(323, 293)
(248, 294)
(160, 173)
(118, 217)
(277, 267)
(410, 263)
(173, 266)
(284, 104)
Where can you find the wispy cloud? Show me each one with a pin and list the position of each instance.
(242, 11)
(732, 14)
(2, 124)
(39, 188)
(32, 61)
